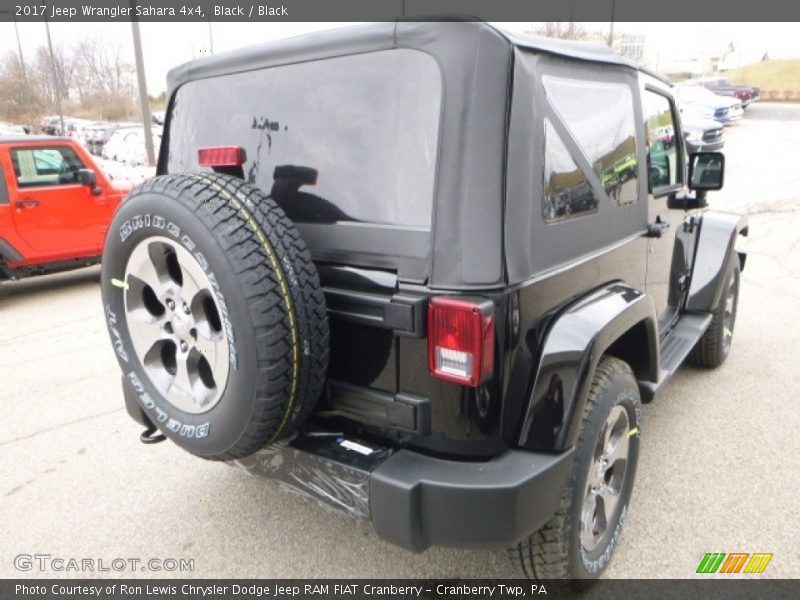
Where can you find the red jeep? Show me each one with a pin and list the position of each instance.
(55, 206)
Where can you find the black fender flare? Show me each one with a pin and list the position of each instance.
(716, 249)
(8, 253)
(570, 351)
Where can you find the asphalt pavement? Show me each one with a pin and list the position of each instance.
(719, 469)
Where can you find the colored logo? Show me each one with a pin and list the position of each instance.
(735, 562)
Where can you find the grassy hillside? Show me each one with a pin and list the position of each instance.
(778, 79)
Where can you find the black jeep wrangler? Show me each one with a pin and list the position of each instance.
(395, 267)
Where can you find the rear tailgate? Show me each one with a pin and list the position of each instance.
(368, 315)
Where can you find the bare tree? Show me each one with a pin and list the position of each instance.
(562, 30)
(103, 68)
(19, 99)
(64, 66)
(105, 79)
(92, 79)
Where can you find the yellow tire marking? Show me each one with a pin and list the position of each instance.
(120, 284)
(284, 288)
(633, 432)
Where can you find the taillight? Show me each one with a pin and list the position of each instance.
(461, 339)
(221, 156)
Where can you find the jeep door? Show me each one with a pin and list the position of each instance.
(670, 243)
(54, 214)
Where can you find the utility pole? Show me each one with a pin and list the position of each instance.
(19, 48)
(611, 28)
(144, 100)
(56, 86)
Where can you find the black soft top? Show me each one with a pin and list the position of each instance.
(377, 36)
(466, 246)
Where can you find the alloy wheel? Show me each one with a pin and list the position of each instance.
(175, 324)
(606, 478)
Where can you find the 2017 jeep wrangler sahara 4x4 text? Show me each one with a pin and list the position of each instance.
(384, 265)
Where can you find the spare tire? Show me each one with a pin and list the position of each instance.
(215, 312)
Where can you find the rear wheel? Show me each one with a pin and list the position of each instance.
(216, 313)
(715, 345)
(577, 544)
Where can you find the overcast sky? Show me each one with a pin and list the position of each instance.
(169, 44)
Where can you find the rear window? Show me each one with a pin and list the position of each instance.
(368, 125)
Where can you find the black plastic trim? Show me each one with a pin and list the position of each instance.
(51, 267)
(574, 343)
(676, 347)
(716, 250)
(402, 313)
(417, 501)
(4, 197)
(395, 411)
(404, 250)
(8, 252)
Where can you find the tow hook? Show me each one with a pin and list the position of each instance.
(147, 437)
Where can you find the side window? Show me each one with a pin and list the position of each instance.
(38, 167)
(662, 149)
(600, 117)
(567, 193)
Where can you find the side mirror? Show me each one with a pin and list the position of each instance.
(706, 171)
(89, 178)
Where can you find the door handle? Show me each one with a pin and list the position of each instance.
(27, 203)
(657, 229)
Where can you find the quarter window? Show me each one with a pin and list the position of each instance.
(567, 193)
(39, 167)
(662, 149)
(600, 117)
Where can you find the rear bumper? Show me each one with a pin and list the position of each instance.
(415, 500)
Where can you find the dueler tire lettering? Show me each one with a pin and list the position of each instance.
(266, 292)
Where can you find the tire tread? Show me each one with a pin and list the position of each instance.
(206, 195)
(545, 554)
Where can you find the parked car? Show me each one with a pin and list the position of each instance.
(80, 130)
(55, 206)
(707, 104)
(118, 142)
(703, 135)
(100, 134)
(11, 129)
(93, 133)
(451, 334)
(626, 167)
(51, 125)
(127, 145)
(723, 87)
(136, 152)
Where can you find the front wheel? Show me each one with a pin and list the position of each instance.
(715, 345)
(578, 542)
